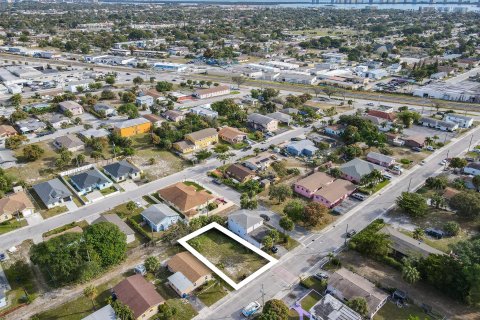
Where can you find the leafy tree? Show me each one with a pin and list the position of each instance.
(202, 155)
(107, 94)
(438, 183)
(457, 163)
(90, 292)
(14, 142)
(166, 312)
(128, 97)
(247, 202)
(267, 242)
(238, 80)
(152, 264)
(314, 213)
(408, 117)
(221, 148)
(110, 80)
(137, 80)
(410, 274)
(164, 86)
(286, 224)
(476, 182)
(294, 210)
(452, 228)
(418, 234)
(358, 304)
(274, 310)
(129, 109)
(371, 243)
(18, 115)
(280, 192)
(32, 152)
(280, 168)
(16, 99)
(466, 204)
(413, 204)
(108, 241)
(122, 311)
(224, 157)
(437, 201)
(131, 206)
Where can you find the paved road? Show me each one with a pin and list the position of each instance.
(278, 281)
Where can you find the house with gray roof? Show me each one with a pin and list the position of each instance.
(181, 284)
(160, 217)
(281, 117)
(356, 168)
(105, 313)
(244, 223)
(113, 218)
(87, 181)
(52, 193)
(380, 159)
(94, 133)
(69, 142)
(262, 123)
(122, 170)
(303, 147)
(330, 308)
(405, 246)
(105, 108)
(30, 125)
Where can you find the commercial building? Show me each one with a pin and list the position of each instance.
(132, 127)
(166, 66)
(212, 92)
(466, 91)
(462, 121)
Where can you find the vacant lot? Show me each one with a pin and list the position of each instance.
(235, 260)
(211, 292)
(390, 311)
(37, 170)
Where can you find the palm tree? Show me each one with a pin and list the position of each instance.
(90, 292)
(224, 157)
(437, 201)
(410, 274)
(418, 234)
(428, 140)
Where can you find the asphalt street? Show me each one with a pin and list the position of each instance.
(278, 281)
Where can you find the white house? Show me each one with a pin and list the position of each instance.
(243, 223)
(462, 121)
(144, 100)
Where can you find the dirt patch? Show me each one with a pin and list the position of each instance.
(420, 292)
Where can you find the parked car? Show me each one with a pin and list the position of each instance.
(351, 233)
(274, 249)
(217, 182)
(430, 148)
(358, 196)
(444, 162)
(387, 176)
(435, 233)
(2, 256)
(321, 276)
(417, 149)
(250, 309)
(370, 104)
(422, 162)
(296, 139)
(264, 217)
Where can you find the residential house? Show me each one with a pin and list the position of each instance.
(302, 148)
(462, 121)
(174, 115)
(132, 127)
(105, 313)
(90, 180)
(106, 109)
(383, 112)
(382, 124)
(197, 140)
(232, 135)
(56, 120)
(312, 183)
(94, 133)
(71, 106)
(290, 111)
(124, 228)
(160, 217)
(246, 224)
(186, 198)
(139, 295)
(357, 168)
(405, 246)
(330, 308)
(52, 193)
(7, 131)
(30, 126)
(122, 170)
(15, 204)
(394, 139)
(76, 86)
(212, 92)
(438, 124)
(189, 273)
(346, 285)
(145, 100)
(281, 117)
(262, 123)
(239, 172)
(472, 168)
(334, 130)
(156, 120)
(69, 142)
(334, 193)
(414, 141)
(262, 161)
(380, 159)
(204, 111)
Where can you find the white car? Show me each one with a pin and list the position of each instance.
(430, 148)
(444, 162)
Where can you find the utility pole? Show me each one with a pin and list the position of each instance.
(409, 183)
(470, 144)
(263, 296)
(346, 232)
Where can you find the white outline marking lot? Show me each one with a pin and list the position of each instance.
(271, 261)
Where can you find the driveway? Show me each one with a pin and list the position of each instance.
(128, 185)
(71, 206)
(34, 218)
(94, 196)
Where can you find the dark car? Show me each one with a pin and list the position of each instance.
(274, 249)
(2, 256)
(217, 182)
(435, 233)
(351, 233)
(265, 217)
(417, 149)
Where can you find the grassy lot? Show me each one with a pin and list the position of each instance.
(82, 306)
(194, 184)
(123, 212)
(375, 188)
(184, 310)
(148, 199)
(313, 283)
(211, 292)
(293, 315)
(108, 191)
(21, 280)
(443, 244)
(53, 212)
(391, 312)
(310, 300)
(82, 224)
(13, 224)
(35, 170)
(235, 260)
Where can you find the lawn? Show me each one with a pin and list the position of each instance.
(11, 225)
(82, 306)
(375, 188)
(235, 260)
(21, 280)
(162, 286)
(313, 283)
(184, 310)
(82, 224)
(391, 312)
(211, 292)
(293, 315)
(194, 184)
(123, 212)
(53, 212)
(108, 191)
(310, 300)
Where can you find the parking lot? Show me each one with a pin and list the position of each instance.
(422, 131)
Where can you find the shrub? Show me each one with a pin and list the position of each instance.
(451, 228)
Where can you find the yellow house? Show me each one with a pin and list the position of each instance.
(197, 140)
(132, 127)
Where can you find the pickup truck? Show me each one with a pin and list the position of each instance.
(251, 308)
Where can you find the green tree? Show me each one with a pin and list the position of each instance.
(14, 142)
(314, 213)
(32, 152)
(452, 228)
(413, 204)
(418, 234)
(166, 312)
(358, 304)
(90, 292)
(248, 202)
(437, 201)
(16, 99)
(274, 310)
(267, 242)
(466, 204)
(221, 148)
(110, 80)
(280, 192)
(476, 182)
(294, 210)
(457, 163)
(163, 86)
(137, 80)
(108, 241)
(286, 224)
(152, 264)
(131, 206)
(122, 311)
(410, 274)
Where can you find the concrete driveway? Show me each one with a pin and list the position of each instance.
(128, 185)
(94, 196)
(34, 218)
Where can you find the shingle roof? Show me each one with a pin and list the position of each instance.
(69, 141)
(202, 134)
(407, 245)
(259, 119)
(185, 197)
(230, 133)
(380, 157)
(330, 308)
(15, 202)
(130, 123)
(315, 181)
(157, 212)
(51, 191)
(239, 171)
(89, 178)
(179, 281)
(336, 190)
(189, 266)
(105, 313)
(138, 294)
(357, 168)
(113, 218)
(120, 168)
(245, 219)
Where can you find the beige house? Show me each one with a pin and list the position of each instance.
(197, 140)
(232, 135)
(15, 204)
(186, 198)
(189, 273)
(71, 106)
